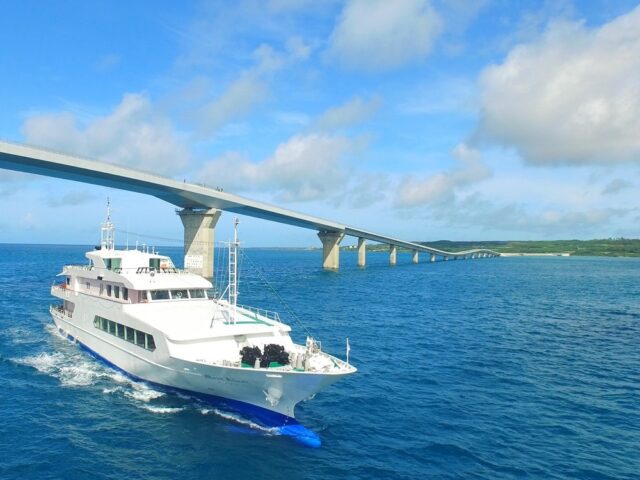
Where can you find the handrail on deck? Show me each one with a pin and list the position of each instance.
(270, 314)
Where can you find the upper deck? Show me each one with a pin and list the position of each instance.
(136, 270)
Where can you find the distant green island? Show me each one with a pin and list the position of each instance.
(610, 247)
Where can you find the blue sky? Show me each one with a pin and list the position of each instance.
(424, 120)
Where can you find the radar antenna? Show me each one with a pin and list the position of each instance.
(107, 231)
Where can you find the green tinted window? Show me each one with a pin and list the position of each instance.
(159, 294)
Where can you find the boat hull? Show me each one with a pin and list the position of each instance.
(265, 396)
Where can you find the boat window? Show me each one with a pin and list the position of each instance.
(197, 293)
(125, 293)
(159, 294)
(116, 291)
(108, 290)
(142, 296)
(96, 322)
(179, 294)
(112, 263)
(151, 344)
(140, 340)
(105, 324)
(101, 288)
(154, 263)
(112, 327)
(129, 334)
(68, 280)
(120, 329)
(88, 285)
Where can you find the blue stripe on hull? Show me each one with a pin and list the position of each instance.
(284, 425)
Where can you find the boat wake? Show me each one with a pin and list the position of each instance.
(74, 368)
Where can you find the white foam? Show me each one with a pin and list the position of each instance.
(243, 421)
(164, 410)
(20, 335)
(143, 393)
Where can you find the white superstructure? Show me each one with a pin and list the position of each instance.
(135, 310)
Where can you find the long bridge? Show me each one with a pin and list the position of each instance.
(201, 207)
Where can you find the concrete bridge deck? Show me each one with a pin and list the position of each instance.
(200, 204)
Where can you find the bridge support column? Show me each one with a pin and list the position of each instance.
(432, 257)
(393, 254)
(362, 252)
(330, 249)
(414, 258)
(199, 234)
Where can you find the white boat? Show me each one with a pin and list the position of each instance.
(137, 312)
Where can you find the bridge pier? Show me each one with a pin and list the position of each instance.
(362, 252)
(330, 249)
(432, 257)
(414, 258)
(393, 255)
(199, 234)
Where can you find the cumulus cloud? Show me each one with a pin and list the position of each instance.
(552, 221)
(354, 111)
(572, 96)
(441, 187)
(239, 99)
(134, 134)
(251, 88)
(379, 35)
(305, 168)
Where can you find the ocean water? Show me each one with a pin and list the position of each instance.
(485, 369)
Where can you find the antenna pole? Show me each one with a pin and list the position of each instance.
(233, 272)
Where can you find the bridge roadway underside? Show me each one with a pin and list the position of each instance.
(199, 204)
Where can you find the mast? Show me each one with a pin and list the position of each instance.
(107, 231)
(233, 272)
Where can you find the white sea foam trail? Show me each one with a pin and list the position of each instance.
(70, 371)
(163, 410)
(242, 421)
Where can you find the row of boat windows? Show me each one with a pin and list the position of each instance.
(181, 294)
(117, 291)
(129, 334)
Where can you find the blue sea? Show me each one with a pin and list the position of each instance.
(502, 368)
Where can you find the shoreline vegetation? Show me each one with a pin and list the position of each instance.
(610, 247)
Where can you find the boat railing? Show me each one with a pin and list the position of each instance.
(137, 270)
(83, 266)
(261, 312)
(60, 309)
(60, 286)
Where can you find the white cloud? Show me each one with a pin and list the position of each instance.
(542, 221)
(379, 35)
(251, 88)
(305, 168)
(134, 134)
(572, 96)
(441, 187)
(354, 111)
(238, 100)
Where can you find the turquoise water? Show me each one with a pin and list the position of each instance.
(492, 368)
